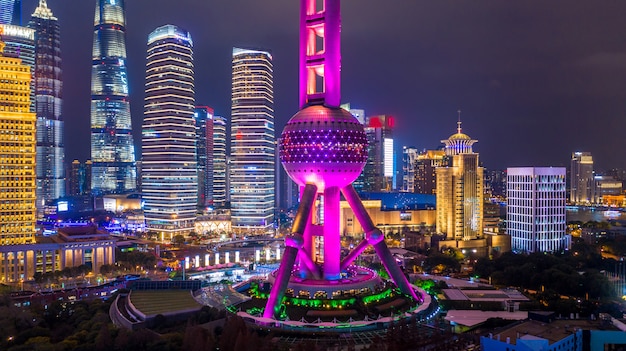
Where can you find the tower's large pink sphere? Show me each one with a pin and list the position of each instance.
(323, 146)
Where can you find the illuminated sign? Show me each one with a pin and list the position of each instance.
(11, 31)
(62, 206)
(388, 162)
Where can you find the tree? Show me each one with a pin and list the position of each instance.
(178, 240)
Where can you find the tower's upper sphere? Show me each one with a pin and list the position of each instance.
(323, 146)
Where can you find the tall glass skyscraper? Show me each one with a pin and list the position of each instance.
(169, 175)
(112, 148)
(50, 148)
(219, 161)
(252, 141)
(11, 12)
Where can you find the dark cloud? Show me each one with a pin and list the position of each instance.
(536, 80)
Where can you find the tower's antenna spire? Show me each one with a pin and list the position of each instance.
(43, 3)
(458, 123)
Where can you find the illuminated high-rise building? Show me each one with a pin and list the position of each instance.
(112, 148)
(20, 43)
(11, 12)
(48, 104)
(379, 171)
(460, 191)
(536, 209)
(409, 157)
(169, 175)
(581, 183)
(219, 161)
(204, 153)
(17, 161)
(252, 141)
(426, 165)
(211, 157)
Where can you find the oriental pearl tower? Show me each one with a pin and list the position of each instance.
(323, 148)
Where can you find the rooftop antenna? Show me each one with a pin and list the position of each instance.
(458, 123)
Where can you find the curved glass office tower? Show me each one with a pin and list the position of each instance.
(252, 142)
(50, 147)
(112, 149)
(169, 180)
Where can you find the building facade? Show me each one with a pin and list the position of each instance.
(426, 165)
(379, 171)
(409, 158)
(536, 209)
(219, 161)
(17, 161)
(204, 154)
(460, 191)
(581, 182)
(253, 143)
(48, 105)
(11, 12)
(169, 175)
(112, 148)
(20, 43)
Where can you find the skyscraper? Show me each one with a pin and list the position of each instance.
(252, 141)
(17, 161)
(409, 158)
(112, 148)
(536, 209)
(460, 191)
(204, 153)
(219, 161)
(426, 170)
(169, 174)
(20, 43)
(48, 105)
(11, 12)
(581, 184)
(379, 171)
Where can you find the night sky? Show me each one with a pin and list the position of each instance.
(535, 80)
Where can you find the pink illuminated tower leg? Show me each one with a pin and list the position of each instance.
(377, 240)
(293, 243)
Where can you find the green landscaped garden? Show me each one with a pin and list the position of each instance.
(163, 302)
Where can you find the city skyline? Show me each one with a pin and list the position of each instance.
(547, 72)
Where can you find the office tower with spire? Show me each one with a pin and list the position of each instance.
(48, 105)
(17, 155)
(112, 148)
(253, 142)
(460, 190)
(582, 180)
(168, 167)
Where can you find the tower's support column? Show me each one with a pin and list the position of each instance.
(293, 243)
(377, 240)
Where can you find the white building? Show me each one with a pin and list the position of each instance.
(252, 141)
(536, 209)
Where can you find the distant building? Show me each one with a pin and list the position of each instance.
(581, 184)
(536, 209)
(379, 171)
(20, 43)
(426, 165)
(48, 104)
(253, 144)
(409, 159)
(359, 114)
(169, 172)
(220, 138)
(11, 12)
(495, 183)
(204, 154)
(79, 180)
(604, 187)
